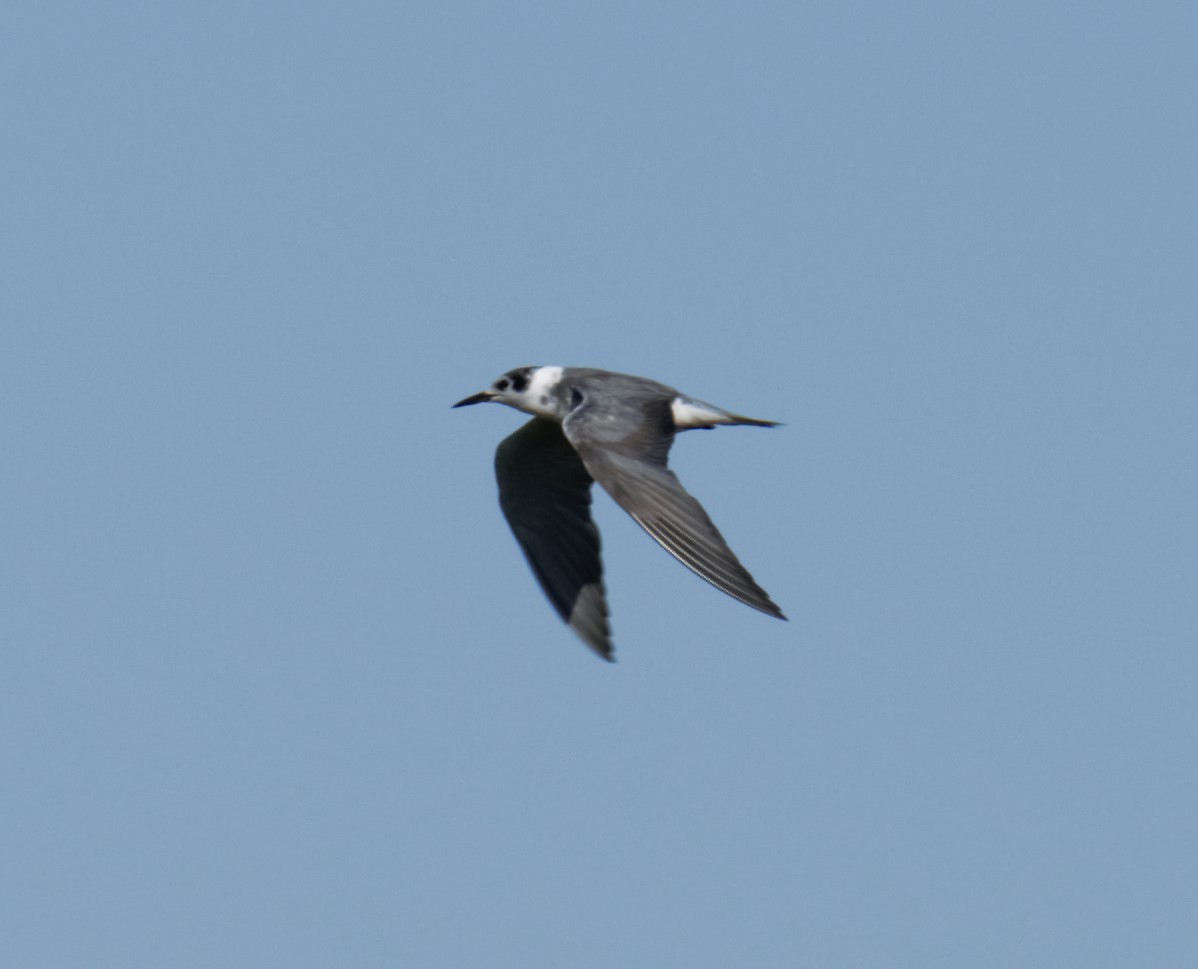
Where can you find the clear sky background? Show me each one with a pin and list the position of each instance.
(277, 689)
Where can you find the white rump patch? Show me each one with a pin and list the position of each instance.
(689, 412)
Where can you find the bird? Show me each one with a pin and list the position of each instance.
(593, 425)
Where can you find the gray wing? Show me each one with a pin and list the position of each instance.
(545, 494)
(631, 466)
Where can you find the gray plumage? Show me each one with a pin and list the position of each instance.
(595, 425)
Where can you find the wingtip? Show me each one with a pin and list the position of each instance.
(763, 604)
(604, 650)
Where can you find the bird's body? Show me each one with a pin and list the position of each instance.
(594, 425)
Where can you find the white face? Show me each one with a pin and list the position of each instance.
(530, 389)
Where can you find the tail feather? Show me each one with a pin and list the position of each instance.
(690, 414)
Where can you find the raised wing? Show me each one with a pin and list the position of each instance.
(545, 494)
(632, 469)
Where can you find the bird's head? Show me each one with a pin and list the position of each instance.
(530, 389)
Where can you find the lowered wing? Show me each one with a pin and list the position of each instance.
(545, 494)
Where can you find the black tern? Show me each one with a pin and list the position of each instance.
(595, 425)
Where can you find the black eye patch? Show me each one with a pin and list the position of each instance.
(501, 384)
(519, 381)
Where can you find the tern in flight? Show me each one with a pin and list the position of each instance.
(595, 425)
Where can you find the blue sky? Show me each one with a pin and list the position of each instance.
(277, 687)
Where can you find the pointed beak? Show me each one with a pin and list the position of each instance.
(480, 397)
